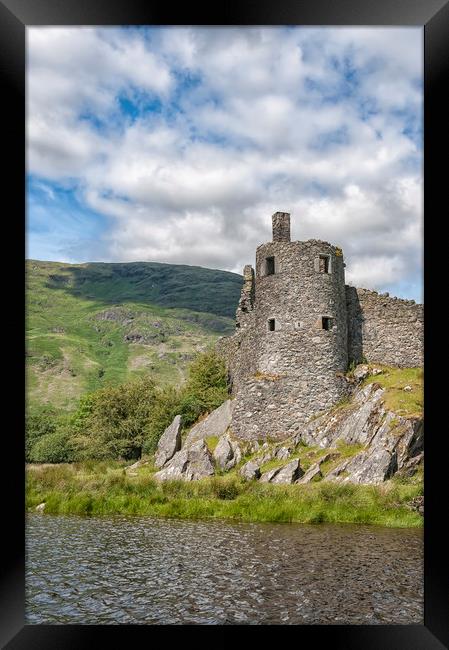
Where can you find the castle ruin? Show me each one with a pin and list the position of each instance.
(299, 327)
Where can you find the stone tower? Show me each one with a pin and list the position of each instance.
(290, 349)
(297, 328)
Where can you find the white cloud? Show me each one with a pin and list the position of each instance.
(312, 121)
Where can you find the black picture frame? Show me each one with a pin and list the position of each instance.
(433, 16)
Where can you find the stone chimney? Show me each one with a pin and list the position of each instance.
(281, 226)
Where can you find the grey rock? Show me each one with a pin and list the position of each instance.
(169, 443)
(250, 470)
(353, 424)
(237, 454)
(407, 389)
(385, 435)
(267, 457)
(227, 453)
(369, 466)
(215, 424)
(410, 467)
(269, 475)
(190, 464)
(335, 474)
(289, 473)
(311, 473)
(283, 453)
(361, 372)
(223, 453)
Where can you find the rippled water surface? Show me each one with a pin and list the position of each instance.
(141, 570)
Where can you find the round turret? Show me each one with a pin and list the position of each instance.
(301, 308)
(297, 350)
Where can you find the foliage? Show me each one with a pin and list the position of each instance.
(206, 387)
(114, 421)
(54, 447)
(127, 420)
(39, 422)
(166, 405)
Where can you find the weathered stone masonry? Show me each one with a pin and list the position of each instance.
(384, 329)
(298, 327)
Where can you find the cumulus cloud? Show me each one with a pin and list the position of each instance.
(186, 140)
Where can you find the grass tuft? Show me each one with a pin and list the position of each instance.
(103, 488)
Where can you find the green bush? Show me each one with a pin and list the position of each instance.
(38, 423)
(206, 387)
(166, 405)
(113, 422)
(54, 447)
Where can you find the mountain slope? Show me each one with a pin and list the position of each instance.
(89, 325)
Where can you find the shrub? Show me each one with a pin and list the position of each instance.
(113, 422)
(39, 422)
(54, 447)
(166, 405)
(206, 387)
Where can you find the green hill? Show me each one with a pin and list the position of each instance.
(88, 325)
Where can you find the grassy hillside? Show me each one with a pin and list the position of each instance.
(90, 325)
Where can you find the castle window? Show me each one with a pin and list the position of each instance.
(271, 325)
(324, 264)
(326, 323)
(269, 266)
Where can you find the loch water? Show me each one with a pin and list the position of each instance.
(140, 570)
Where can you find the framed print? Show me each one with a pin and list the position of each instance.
(247, 448)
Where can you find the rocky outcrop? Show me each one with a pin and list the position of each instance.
(223, 453)
(267, 476)
(289, 473)
(365, 443)
(190, 464)
(169, 443)
(227, 453)
(389, 440)
(312, 473)
(250, 470)
(283, 452)
(371, 466)
(215, 424)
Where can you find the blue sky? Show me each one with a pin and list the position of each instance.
(177, 144)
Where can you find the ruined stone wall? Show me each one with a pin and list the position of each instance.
(240, 353)
(247, 298)
(384, 329)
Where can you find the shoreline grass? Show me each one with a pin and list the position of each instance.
(103, 488)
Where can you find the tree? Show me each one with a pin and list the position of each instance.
(38, 422)
(206, 387)
(114, 421)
